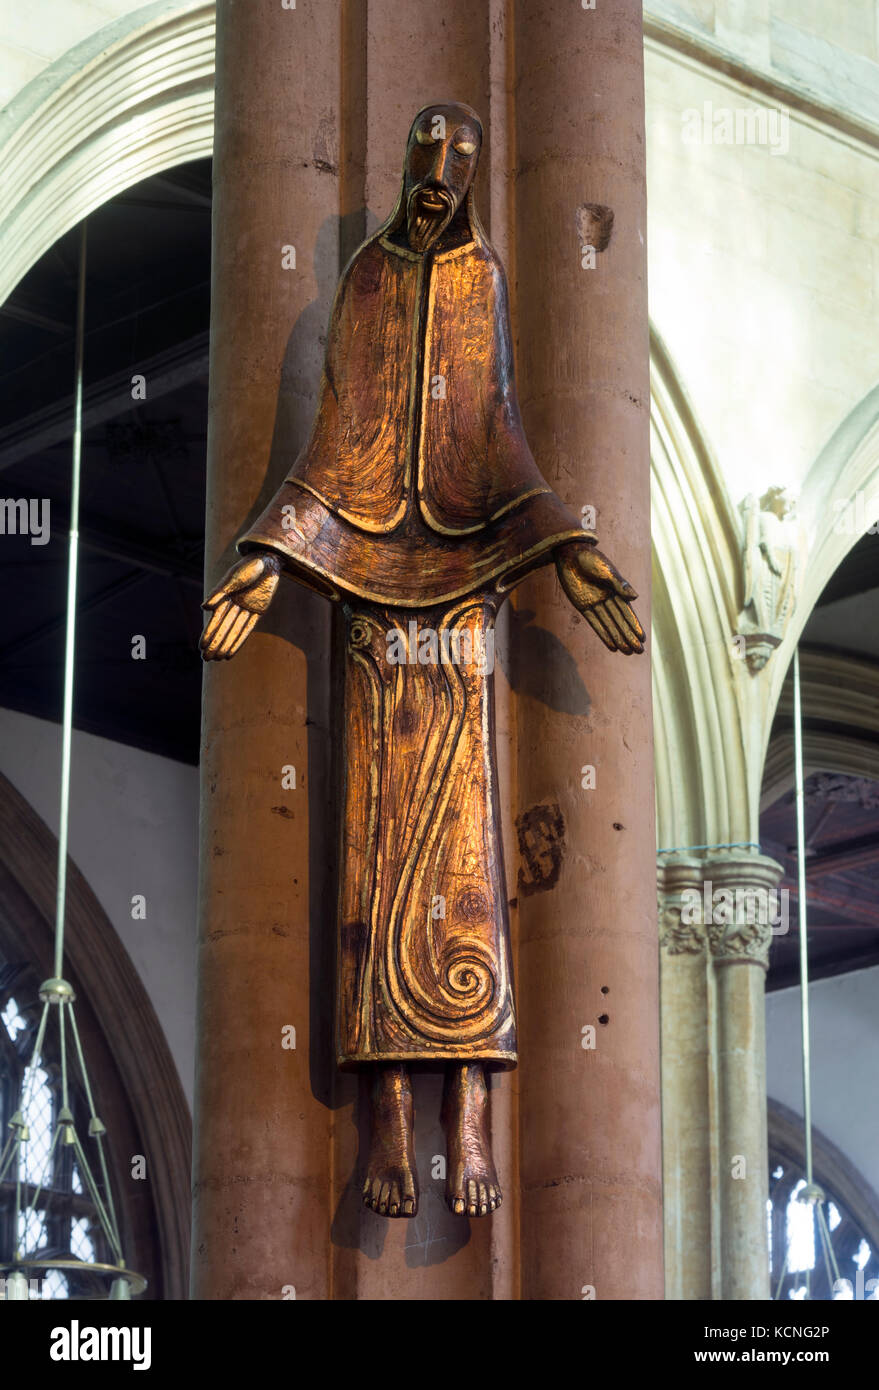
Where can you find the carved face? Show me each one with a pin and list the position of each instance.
(441, 159)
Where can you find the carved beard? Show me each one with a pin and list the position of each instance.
(425, 225)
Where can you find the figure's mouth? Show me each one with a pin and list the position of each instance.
(432, 201)
(429, 212)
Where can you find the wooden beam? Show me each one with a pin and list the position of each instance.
(166, 371)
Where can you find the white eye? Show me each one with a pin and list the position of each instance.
(424, 137)
(465, 146)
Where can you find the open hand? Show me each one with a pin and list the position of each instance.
(598, 591)
(242, 597)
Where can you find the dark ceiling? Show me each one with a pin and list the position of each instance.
(842, 876)
(842, 812)
(143, 467)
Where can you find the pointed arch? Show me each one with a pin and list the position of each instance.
(847, 467)
(134, 98)
(702, 756)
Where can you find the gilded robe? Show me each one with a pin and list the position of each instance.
(417, 503)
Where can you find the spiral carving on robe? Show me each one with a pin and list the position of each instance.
(428, 974)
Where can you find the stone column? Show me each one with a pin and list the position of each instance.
(413, 54)
(262, 1165)
(718, 914)
(686, 1081)
(314, 105)
(588, 959)
(739, 936)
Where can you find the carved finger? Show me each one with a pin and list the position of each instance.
(225, 626)
(210, 648)
(606, 616)
(629, 616)
(209, 636)
(626, 620)
(612, 637)
(232, 640)
(249, 625)
(593, 622)
(214, 599)
(214, 621)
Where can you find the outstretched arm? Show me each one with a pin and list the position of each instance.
(236, 604)
(598, 591)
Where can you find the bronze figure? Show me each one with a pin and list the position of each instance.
(417, 505)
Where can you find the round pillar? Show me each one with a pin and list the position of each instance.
(746, 913)
(686, 1081)
(262, 1163)
(588, 959)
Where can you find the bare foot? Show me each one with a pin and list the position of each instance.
(472, 1188)
(391, 1186)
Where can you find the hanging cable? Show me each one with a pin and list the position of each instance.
(56, 992)
(802, 914)
(70, 640)
(811, 1194)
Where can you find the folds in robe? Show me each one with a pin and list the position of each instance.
(417, 501)
(416, 484)
(424, 952)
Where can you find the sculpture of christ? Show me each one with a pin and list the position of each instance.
(416, 504)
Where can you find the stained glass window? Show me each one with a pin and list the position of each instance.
(799, 1267)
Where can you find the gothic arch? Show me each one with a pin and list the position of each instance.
(701, 751)
(134, 98)
(141, 1098)
(848, 465)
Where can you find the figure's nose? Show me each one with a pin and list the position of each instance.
(440, 164)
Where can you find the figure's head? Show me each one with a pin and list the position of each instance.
(779, 501)
(441, 159)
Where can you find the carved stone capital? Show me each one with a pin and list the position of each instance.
(679, 881)
(743, 943)
(679, 938)
(725, 901)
